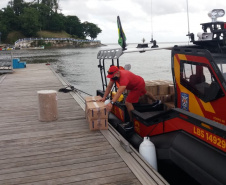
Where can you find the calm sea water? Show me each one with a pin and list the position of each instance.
(79, 66)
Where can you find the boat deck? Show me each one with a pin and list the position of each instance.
(59, 152)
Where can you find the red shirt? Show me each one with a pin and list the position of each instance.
(130, 80)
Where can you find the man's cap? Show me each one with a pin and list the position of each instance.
(112, 70)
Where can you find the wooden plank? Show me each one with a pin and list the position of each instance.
(87, 174)
(71, 166)
(56, 163)
(80, 146)
(81, 136)
(121, 179)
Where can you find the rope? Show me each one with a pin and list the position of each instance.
(70, 88)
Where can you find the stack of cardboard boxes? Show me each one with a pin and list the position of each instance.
(96, 113)
(162, 90)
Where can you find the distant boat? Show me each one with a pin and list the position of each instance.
(142, 45)
(6, 49)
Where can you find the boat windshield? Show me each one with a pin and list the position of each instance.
(220, 60)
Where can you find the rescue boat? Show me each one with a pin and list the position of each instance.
(190, 139)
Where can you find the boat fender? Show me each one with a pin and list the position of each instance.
(148, 152)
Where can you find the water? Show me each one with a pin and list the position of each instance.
(79, 65)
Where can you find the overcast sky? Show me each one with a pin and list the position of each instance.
(167, 21)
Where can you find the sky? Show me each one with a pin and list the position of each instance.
(166, 20)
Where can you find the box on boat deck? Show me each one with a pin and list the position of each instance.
(151, 87)
(96, 113)
(163, 88)
(159, 87)
(169, 105)
(164, 98)
(171, 89)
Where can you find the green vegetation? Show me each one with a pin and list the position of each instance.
(13, 36)
(49, 34)
(40, 18)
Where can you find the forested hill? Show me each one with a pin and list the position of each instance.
(30, 17)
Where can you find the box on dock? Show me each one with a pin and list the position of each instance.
(92, 98)
(98, 124)
(96, 113)
(96, 110)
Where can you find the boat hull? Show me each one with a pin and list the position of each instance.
(199, 162)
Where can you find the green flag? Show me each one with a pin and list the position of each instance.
(121, 34)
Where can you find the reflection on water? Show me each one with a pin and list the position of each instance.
(79, 65)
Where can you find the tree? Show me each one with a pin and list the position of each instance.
(45, 13)
(42, 15)
(74, 26)
(18, 6)
(3, 27)
(57, 22)
(53, 4)
(29, 21)
(91, 30)
(9, 19)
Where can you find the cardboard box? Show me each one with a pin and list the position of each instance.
(96, 113)
(170, 82)
(98, 124)
(92, 98)
(143, 99)
(169, 105)
(150, 101)
(172, 97)
(159, 87)
(149, 81)
(152, 88)
(96, 110)
(171, 89)
(164, 98)
(163, 88)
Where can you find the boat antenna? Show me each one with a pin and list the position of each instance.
(190, 35)
(151, 25)
(154, 42)
(188, 18)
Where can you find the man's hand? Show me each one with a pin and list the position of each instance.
(109, 107)
(102, 99)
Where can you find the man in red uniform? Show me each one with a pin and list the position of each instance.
(126, 80)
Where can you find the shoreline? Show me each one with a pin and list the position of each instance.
(55, 46)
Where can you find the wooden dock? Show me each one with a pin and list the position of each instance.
(63, 151)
